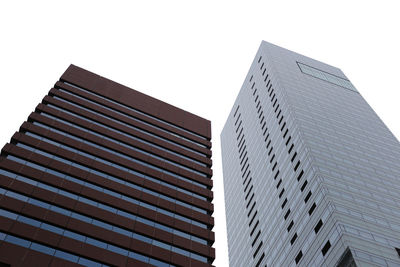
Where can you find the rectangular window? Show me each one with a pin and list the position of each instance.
(318, 226)
(325, 76)
(284, 203)
(251, 198)
(281, 193)
(290, 149)
(276, 175)
(261, 258)
(287, 214)
(258, 248)
(252, 219)
(294, 156)
(297, 165)
(307, 197)
(293, 239)
(303, 186)
(312, 209)
(290, 226)
(252, 207)
(300, 175)
(326, 248)
(254, 228)
(255, 239)
(298, 257)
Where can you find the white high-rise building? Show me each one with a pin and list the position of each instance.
(311, 174)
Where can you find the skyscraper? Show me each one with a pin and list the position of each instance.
(311, 174)
(102, 175)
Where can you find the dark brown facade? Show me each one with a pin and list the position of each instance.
(102, 175)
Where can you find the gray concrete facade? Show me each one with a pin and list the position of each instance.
(311, 174)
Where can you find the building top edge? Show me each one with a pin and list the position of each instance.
(135, 99)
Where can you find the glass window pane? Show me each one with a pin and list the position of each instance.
(66, 256)
(88, 263)
(43, 249)
(18, 241)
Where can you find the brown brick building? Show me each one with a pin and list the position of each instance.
(102, 175)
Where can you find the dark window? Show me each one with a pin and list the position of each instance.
(290, 226)
(326, 248)
(276, 175)
(298, 257)
(293, 239)
(294, 156)
(252, 207)
(297, 165)
(258, 248)
(265, 131)
(243, 152)
(237, 128)
(303, 186)
(252, 219)
(256, 238)
(290, 149)
(283, 126)
(241, 130)
(284, 203)
(287, 214)
(244, 164)
(300, 175)
(281, 193)
(234, 115)
(398, 251)
(254, 228)
(259, 261)
(247, 176)
(285, 133)
(251, 198)
(312, 209)
(279, 113)
(279, 183)
(288, 140)
(243, 156)
(307, 197)
(237, 119)
(248, 183)
(248, 193)
(318, 226)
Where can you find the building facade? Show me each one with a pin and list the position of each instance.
(102, 175)
(311, 174)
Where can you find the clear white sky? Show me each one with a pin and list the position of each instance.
(193, 54)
